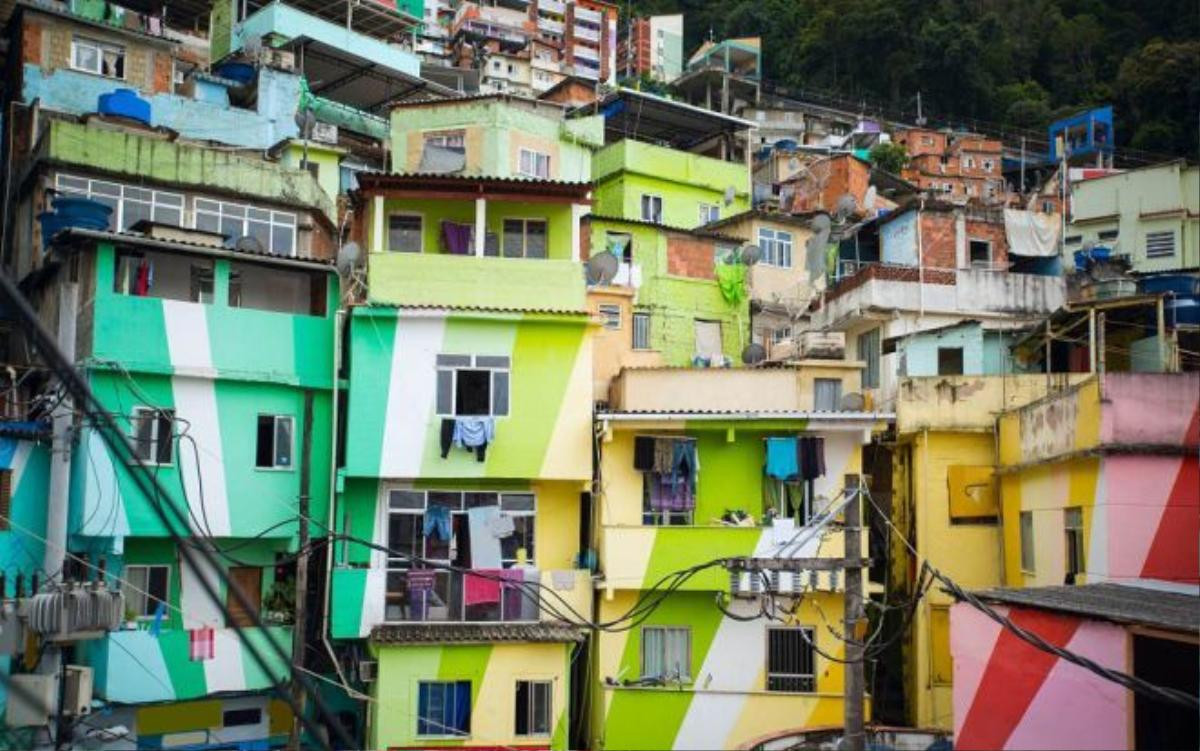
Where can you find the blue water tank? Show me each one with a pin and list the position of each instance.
(125, 103)
(74, 211)
(1176, 284)
(240, 72)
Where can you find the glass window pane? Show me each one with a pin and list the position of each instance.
(283, 241)
(134, 212)
(514, 238)
(517, 502)
(406, 499)
(491, 361)
(454, 361)
(232, 229)
(259, 215)
(208, 222)
(499, 393)
(283, 442)
(535, 239)
(445, 392)
(260, 231)
(167, 215)
(138, 194)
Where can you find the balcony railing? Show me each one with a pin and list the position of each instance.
(589, 15)
(587, 33)
(551, 26)
(552, 6)
(586, 53)
(457, 597)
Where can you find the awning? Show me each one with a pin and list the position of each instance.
(1031, 233)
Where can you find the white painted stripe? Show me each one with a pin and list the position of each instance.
(730, 666)
(412, 395)
(196, 402)
(1096, 560)
(374, 599)
(187, 338)
(224, 672)
(198, 608)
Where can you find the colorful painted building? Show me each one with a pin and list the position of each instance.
(1100, 482)
(457, 597)
(1010, 695)
(707, 678)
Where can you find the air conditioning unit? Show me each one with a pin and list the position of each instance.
(368, 671)
(30, 700)
(325, 133)
(77, 698)
(278, 59)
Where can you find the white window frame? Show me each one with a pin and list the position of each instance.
(530, 163)
(1158, 237)
(548, 687)
(474, 361)
(106, 191)
(276, 419)
(666, 629)
(971, 261)
(611, 315)
(446, 139)
(652, 198)
(157, 416)
(709, 212)
(99, 48)
(1025, 532)
(781, 335)
(808, 639)
(275, 219)
(1074, 528)
(635, 318)
(776, 246)
(143, 593)
(387, 229)
(525, 222)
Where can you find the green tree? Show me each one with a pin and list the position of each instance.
(889, 157)
(1159, 93)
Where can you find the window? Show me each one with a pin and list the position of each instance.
(261, 287)
(988, 164)
(776, 247)
(1073, 529)
(129, 204)
(869, 352)
(274, 230)
(942, 664)
(709, 213)
(611, 315)
(1108, 234)
(651, 208)
(950, 361)
(781, 335)
(641, 331)
(274, 448)
(1026, 530)
(827, 394)
(534, 164)
(97, 57)
(153, 434)
(620, 244)
(790, 659)
(167, 276)
(524, 238)
(472, 385)
(237, 717)
(533, 708)
(444, 708)
(5, 497)
(980, 252)
(667, 653)
(405, 234)
(969, 162)
(1073, 239)
(145, 587)
(1160, 244)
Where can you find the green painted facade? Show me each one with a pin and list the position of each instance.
(675, 302)
(626, 170)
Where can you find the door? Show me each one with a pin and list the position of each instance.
(249, 580)
(708, 338)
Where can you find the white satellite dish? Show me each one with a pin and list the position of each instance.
(348, 257)
(602, 268)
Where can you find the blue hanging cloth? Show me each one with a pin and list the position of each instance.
(782, 461)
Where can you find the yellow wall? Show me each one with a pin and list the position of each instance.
(612, 349)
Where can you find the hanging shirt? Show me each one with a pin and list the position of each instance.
(782, 459)
(485, 546)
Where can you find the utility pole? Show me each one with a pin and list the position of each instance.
(854, 735)
(1022, 165)
(298, 630)
(920, 115)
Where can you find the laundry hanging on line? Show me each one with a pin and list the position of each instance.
(467, 433)
(201, 644)
(783, 459)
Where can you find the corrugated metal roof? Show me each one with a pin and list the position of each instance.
(765, 414)
(580, 312)
(474, 633)
(1121, 603)
(697, 232)
(395, 177)
(28, 429)
(138, 239)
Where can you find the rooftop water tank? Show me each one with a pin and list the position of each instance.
(125, 103)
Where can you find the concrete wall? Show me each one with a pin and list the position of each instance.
(968, 403)
(612, 349)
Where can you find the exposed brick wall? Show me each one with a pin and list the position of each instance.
(690, 256)
(162, 74)
(937, 240)
(31, 43)
(993, 232)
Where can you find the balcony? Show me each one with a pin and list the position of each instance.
(586, 33)
(675, 165)
(437, 279)
(939, 291)
(551, 26)
(138, 667)
(593, 17)
(556, 7)
(584, 54)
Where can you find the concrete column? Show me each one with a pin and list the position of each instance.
(962, 260)
(60, 451)
(480, 225)
(377, 241)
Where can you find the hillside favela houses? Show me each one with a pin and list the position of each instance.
(510, 374)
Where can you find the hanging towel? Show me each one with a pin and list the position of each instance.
(782, 458)
(664, 455)
(485, 546)
(200, 644)
(643, 453)
(511, 588)
(482, 590)
(437, 522)
(683, 462)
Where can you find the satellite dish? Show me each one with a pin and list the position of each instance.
(730, 194)
(753, 354)
(252, 46)
(845, 208)
(248, 244)
(306, 121)
(853, 402)
(602, 268)
(347, 257)
(869, 199)
(820, 224)
(750, 254)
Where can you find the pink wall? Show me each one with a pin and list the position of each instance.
(1009, 695)
(1151, 408)
(1152, 505)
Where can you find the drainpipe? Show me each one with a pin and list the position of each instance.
(339, 319)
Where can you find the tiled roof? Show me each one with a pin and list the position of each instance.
(474, 633)
(478, 308)
(697, 232)
(382, 178)
(1121, 603)
(139, 239)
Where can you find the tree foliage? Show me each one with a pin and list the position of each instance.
(889, 156)
(1010, 62)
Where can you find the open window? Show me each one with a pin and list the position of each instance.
(981, 253)
(273, 449)
(950, 360)
(166, 276)
(100, 58)
(145, 587)
(153, 434)
(472, 385)
(263, 287)
(533, 705)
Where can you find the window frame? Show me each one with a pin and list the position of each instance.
(839, 394)
(275, 466)
(275, 220)
(687, 632)
(709, 212)
(535, 161)
(454, 369)
(387, 228)
(447, 732)
(610, 312)
(774, 242)
(158, 417)
(445, 139)
(652, 197)
(144, 594)
(781, 335)
(531, 710)
(1028, 563)
(99, 47)
(962, 365)
(807, 644)
(979, 241)
(1076, 530)
(525, 222)
(635, 318)
(165, 200)
(872, 340)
